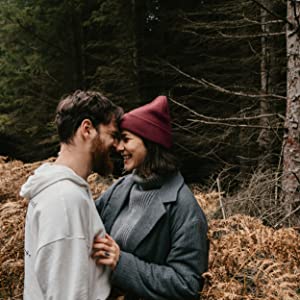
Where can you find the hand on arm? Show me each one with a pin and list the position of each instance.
(178, 278)
(106, 251)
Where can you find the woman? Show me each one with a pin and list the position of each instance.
(152, 215)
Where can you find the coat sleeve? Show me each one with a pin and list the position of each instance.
(179, 277)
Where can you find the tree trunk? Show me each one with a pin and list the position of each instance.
(264, 139)
(291, 151)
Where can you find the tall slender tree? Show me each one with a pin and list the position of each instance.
(291, 153)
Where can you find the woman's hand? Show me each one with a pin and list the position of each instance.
(106, 251)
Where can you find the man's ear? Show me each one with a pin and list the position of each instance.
(86, 127)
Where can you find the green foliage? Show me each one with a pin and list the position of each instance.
(133, 51)
(4, 122)
(49, 49)
(25, 83)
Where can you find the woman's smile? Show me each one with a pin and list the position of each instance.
(132, 149)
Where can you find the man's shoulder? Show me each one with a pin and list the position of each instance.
(62, 193)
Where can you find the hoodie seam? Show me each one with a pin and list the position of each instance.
(58, 240)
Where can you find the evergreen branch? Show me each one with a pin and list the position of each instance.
(220, 89)
(29, 30)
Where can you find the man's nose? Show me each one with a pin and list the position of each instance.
(119, 146)
(115, 143)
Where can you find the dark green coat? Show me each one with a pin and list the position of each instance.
(167, 251)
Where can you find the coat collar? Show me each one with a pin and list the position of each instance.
(118, 196)
(168, 192)
(153, 213)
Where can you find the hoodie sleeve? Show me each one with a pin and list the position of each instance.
(60, 225)
(61, 269)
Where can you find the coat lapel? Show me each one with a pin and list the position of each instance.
(167, 193)
(150, 217)
(116, 202)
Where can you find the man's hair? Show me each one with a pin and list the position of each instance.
(159, 160)
(80, 105)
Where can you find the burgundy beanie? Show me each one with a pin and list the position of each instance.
(151, 121)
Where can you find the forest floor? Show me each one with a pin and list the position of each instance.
(248, 260)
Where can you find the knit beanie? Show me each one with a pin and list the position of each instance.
(151, 121)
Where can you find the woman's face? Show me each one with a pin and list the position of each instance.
(132, 149)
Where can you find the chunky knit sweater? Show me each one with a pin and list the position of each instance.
(143, 191)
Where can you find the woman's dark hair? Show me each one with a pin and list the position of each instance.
(159, 160)
(80, 105)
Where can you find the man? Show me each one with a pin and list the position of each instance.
(62, 219)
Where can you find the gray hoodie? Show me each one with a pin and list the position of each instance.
(61, 223)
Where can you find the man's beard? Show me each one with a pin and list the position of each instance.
(101, 161)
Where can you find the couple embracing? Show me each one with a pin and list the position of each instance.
(144, 238)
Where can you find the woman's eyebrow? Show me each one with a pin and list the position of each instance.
(123, 135)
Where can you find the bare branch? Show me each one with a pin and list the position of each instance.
(222, 119)
(287, 216)
(220, 89)
(220, 198)
(263, 23)
(230, 36)
(183, 128)
(188, 150)
(272, 12)
(231, 125)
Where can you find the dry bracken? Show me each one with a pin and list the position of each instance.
(248, 261)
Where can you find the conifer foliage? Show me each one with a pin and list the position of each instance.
(49, 49)
(222, 64)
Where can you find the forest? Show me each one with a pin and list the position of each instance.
(230, 70)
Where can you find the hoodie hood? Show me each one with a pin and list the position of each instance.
(46, 175)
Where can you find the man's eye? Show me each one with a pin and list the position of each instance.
(116, 136)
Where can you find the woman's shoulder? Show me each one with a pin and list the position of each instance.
(177, 184)
(176, 190)
(185, 200)
(118, 183)
(186, 196)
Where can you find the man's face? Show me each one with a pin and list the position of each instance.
(103, 143)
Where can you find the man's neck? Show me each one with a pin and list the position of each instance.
(75, 160)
